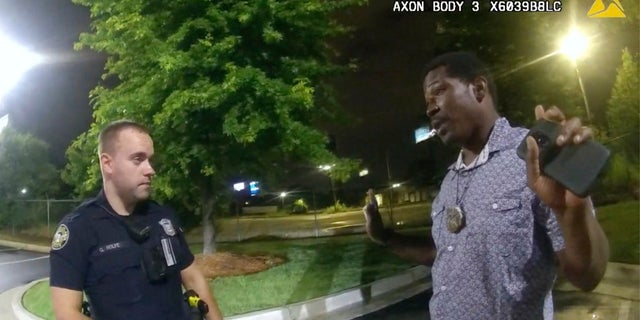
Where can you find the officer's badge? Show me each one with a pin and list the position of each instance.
(168, 227)
(60, 238)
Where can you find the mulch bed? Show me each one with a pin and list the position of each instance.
(225, 264)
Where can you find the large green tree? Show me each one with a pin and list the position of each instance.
(228, 88)
(24, 164)
(25, 173)
(623, 119)
(623, 109)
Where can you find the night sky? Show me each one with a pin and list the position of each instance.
(51, 100)
(384, 96)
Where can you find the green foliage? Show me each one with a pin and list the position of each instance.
(337, 207)
(623, 109)
(622, 177)
(24, 164)
(621, 180)
(299, 206)
(343, 169)
(620, 223)
(82, 171)
(227, 88)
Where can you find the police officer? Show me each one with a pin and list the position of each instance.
(126, 252)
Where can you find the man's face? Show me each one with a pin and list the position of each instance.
(451, 106)
(129, 165)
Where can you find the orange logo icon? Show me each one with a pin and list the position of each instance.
(600, 10)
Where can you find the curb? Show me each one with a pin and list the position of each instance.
(349, 303)
(346, 304)
(16, 302)
(25, 246)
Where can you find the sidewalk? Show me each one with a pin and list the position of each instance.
(616, 297)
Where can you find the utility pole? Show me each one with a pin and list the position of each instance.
(386, 154)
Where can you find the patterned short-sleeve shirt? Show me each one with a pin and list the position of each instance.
(501, 265)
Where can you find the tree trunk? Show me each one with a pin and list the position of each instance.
(208, 236)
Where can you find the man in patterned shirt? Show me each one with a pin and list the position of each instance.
(500, 228)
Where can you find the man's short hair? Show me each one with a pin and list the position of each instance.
(109, 134)
(464, 66)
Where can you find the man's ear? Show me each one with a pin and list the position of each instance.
(479, 85)
(105, 162)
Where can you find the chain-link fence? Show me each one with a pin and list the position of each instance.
(36, 217)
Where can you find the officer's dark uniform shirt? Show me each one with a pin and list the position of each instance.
(93, 251)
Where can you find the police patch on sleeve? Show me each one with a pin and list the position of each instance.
(60, 238)
(168, 227)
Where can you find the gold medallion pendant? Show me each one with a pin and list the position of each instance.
(455, 219)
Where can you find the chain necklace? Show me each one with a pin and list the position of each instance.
(456, 217)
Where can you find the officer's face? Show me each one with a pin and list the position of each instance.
(130, 167)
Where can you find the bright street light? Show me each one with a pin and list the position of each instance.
(23, 191)
(14, 61)
(574, 46)
(325, 167)
(364, 172)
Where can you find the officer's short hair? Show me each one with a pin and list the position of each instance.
(464, 66)
(109, 133)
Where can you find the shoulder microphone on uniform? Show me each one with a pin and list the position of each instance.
(138, 233)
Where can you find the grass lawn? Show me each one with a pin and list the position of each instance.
(314, 268)
(621, 224)
(317, 267)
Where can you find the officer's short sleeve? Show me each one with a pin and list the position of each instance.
(186, 256)
(68, 257)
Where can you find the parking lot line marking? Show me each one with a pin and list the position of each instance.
(25, 260)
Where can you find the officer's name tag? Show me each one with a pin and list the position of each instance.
(168, 252)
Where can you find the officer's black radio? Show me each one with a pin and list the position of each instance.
(154, 264)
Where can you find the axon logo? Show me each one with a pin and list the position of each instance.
(606, 9)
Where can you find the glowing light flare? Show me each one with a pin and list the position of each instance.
(326, 167)
(574, 45)
(15, 60)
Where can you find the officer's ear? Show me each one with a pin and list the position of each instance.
(106, 162)
(479, 87)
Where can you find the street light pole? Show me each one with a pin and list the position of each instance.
(584, 95)
(386, 156)
(282, 195)
(327, 168)
(574, 45)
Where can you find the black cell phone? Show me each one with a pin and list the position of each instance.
(576, 167)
